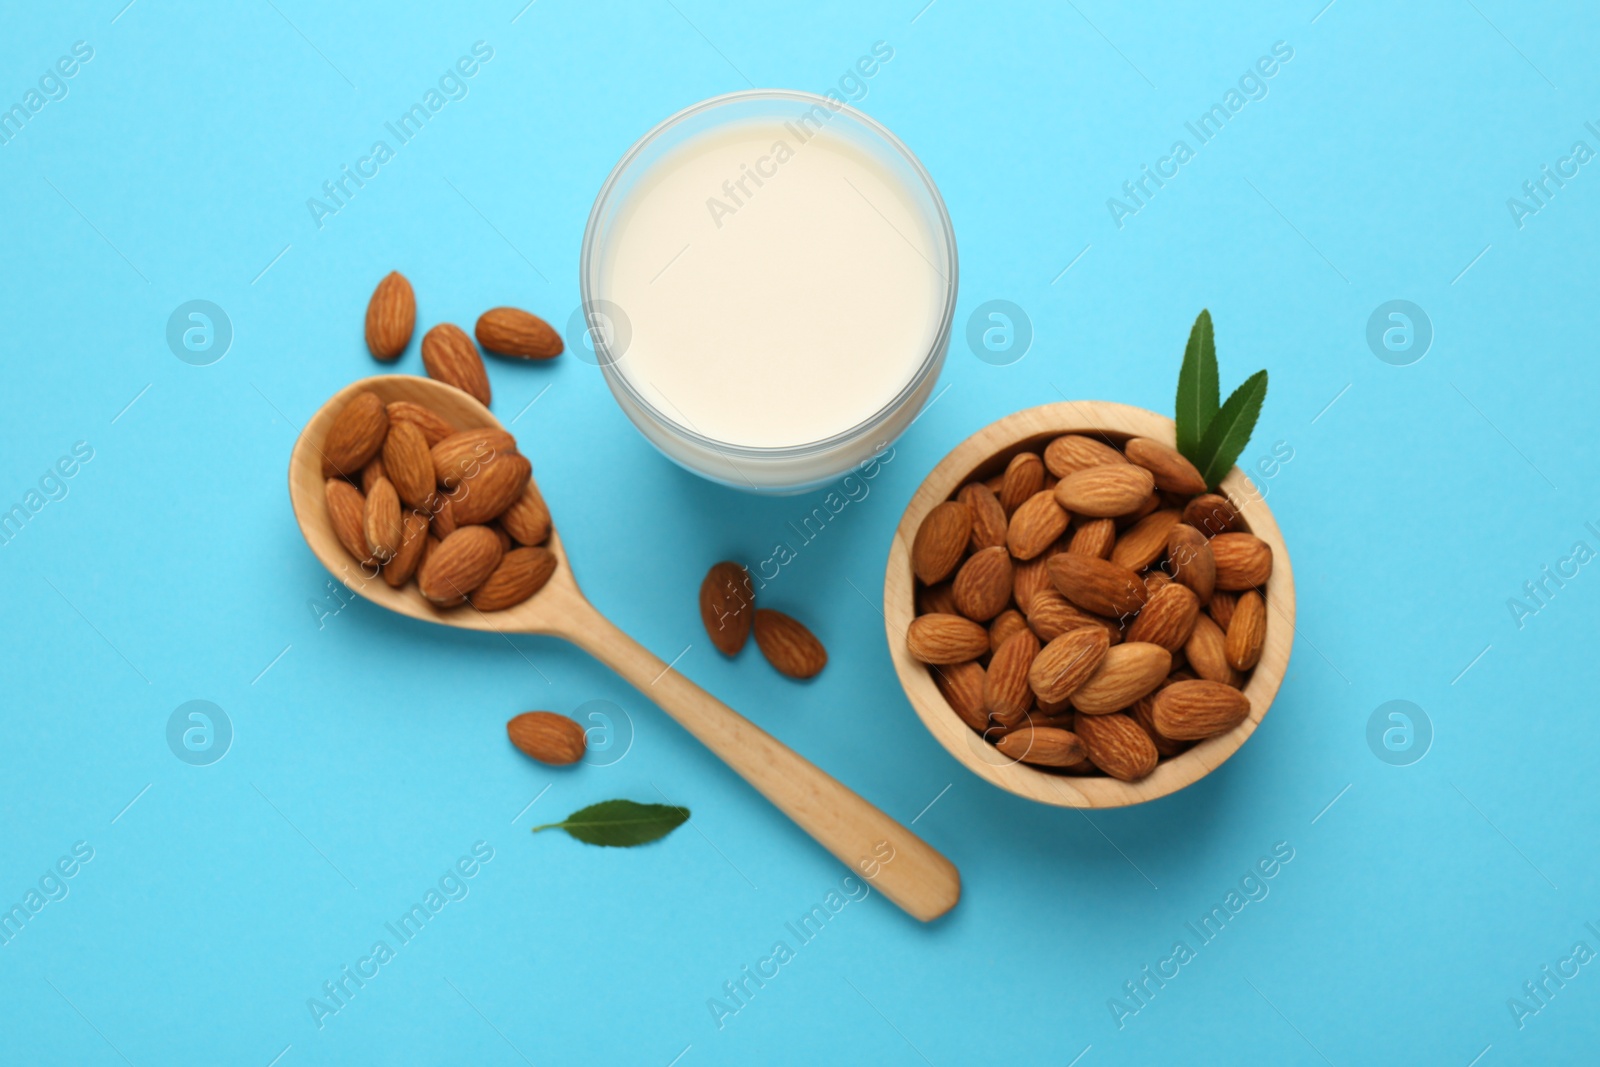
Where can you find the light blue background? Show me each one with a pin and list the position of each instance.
(371, 754)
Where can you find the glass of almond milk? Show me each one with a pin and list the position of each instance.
(768, 279)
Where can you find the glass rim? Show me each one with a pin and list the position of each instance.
(619, 381)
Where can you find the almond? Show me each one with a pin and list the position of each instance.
(962, 687)
(1005, 685)
(381, 521)
(1143, 715)
(413, 543)
(547, 737)
(1206, 651)
(941, 639)
(528, 518)
(982, 587)
(501, 535)
(459, 564)
(1145, 541)
(1029, 578)
(988, 517)
(1117, 745)
(936, 600)
(1171, 469)
(514, 332)
(791, 648)
(1167, 618)
(1024, 477)
(1105, 491)
(1097, 585)
(1035, 525)
(449, 356)
(1051, 616)
(494, 488)
(432, 425)
(1190, 562)
(1096, 538)
(408, 464)
(1067, 662)
(1247, 629)
(1042, 745)
(1244, 561)
(371, 473)
(355, 436)
(347, 515)
(460, 454)
(444, 517)
(520, 573)
(1151, 503)
(1074, 452)
(1221, 608)
(1126, 672)
(391, 316)
(1005, 624)
(1211, 514)
(1189, 711)
(941, 541)
(1154, 580)
(727, 606)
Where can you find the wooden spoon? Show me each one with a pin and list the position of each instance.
(918, 878)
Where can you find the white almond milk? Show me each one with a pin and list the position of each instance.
(781, 285)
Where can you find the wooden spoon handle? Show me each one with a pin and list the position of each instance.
(894, 860)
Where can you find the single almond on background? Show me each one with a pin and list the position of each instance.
(1126, 672)
(391, 316)
(1206, 651)
(408, 463)
(381, 521)
(1097, 585)
(941, 541)
(413, 543)
(982, 587)
(1117, 745)
(936, 600)
(520, 573)
(1221, 608)
(355, 436)
(459, 564)
(1005, 685)
(1073, 452)
(1167, 618)
(1067, 662)
(433, 426)
(491, 490)
(513, 332)
(942, 639)
(1172, 470)
(547, 737)
(1035, 525)
(1024, 477)
(347, 510)
(792, 649)
(988, 517)
(1004, 625)
(727, 606)
(1146, 540)
(1211, 514)
(1190, 562)
(528, 518)
(1244, 561)
(1096, 537)
(962, 687)
(1189, 711)
(449, 356)
(461, 453)
(1105, 491)
(1051, 616)
(1045, 746)
(1247, 630)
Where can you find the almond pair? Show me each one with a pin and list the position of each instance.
(728, 612)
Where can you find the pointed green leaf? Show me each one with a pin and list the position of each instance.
(1230, 430)
(1198, 389)
(621, 823)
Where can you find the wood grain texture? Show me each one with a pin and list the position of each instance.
(918, 878)
(986, 453)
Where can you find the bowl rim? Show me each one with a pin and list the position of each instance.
(987, 446)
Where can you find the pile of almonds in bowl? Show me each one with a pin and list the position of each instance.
(1091, 609)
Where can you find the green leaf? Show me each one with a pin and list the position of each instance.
(1230, 430)
(621, 823)
(1197, 387)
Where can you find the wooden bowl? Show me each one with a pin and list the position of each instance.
(987, 452)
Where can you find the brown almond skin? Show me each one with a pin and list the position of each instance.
(1142, 714)
(381, 521)
(520, 573)
(941, 541)
(1244, 561)
(1052, 615)
(1211, 514)
(449, 356)
(1221, 608)
(982, 587)
(1146, 540)
(1105, 491)
(1117, 745)
(347, 510)
(371, 473)
(1097, 585)
(1190, 562)
(1171, 469)
(1096, 537)
(495, 486)
(1125, 673)
(988, 516)
(433, 426)
(1206, 651)
(1247, 630)
(1035, 525)
(391, 316)
(1189, 711)
(408, 463)
(1029, 578)
(413, 543)
(528, 517)
(1005, 686)
(962, 687)
(1024, 477)
(458, 455)
(1167, 619)
(792, 649)
(355, 436)
(508, 331)
(1045, 746)
(1066, 663)
(1004, 625)
(547, 737)
(459, 564)
(936, 600)
(444, 517)
(1073, 452)
(727, 606)
(942, 639)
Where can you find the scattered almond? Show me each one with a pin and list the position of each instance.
(514, 332)
(450, 357)
(391, 316)
(791, 648)
(727, 606)
(547, 737)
